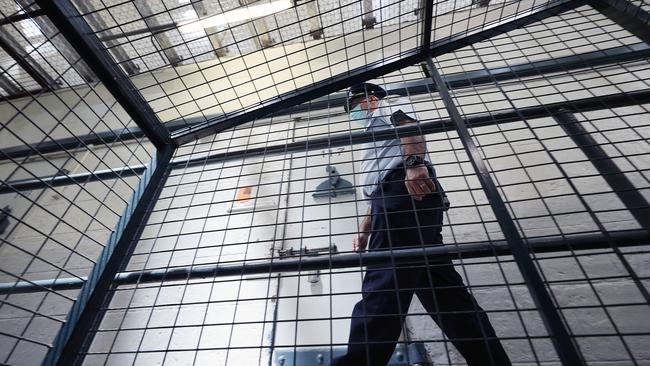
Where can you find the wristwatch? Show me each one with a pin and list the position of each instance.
(413, 160)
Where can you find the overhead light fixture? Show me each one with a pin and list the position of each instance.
(248, 12)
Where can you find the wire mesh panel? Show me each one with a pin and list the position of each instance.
(232, 56)
(66, 178)
(579, 167)
(240, 205)
(300, 237)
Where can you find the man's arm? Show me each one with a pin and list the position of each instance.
(360, 241)
(418, 183)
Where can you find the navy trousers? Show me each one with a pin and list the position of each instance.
(377, 320)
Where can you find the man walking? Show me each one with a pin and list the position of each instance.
(406, 210)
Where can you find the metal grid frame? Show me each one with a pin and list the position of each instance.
(95, 289)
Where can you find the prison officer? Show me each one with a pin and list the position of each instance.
(406, 210)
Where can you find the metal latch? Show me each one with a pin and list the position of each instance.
(313, 276)
(307, 252)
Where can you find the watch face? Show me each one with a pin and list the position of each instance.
(414, 160)
(411, 160)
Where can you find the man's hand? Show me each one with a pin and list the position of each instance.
(360, 242)
(418, 183)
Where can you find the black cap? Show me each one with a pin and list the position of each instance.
(363, 90)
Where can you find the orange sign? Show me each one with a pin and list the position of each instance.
(244, 194)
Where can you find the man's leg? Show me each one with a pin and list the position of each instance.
(470, 330)
(376, 320)
(386, 296)
(460, 317)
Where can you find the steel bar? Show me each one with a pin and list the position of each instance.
(609, 56)
(8, 85)
(17, 17)
(456, 80)
(566, 348)
(287, 100)
(370, 71)
(427, 20)
(629, 195)
(163, 40)
(633, 200)
(65, 48)
(71, 143)
(630, 8)
(66, 17)
(26, 61)
(212, 32)
(628, 15)
(343, 139)
(71, 179)
(149, 30)
(485, 249)
(502, 26)
(115, 48)
(85, 309)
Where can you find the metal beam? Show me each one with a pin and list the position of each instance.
(51, 32)
(457, 80)
(25, 15)
(8, 85)
(608, 56)
(71, 179)
(97, 22)
(71, 143)
(504, 116)
(629, 16)
(566, 348)
(152, 22)
(212, 32)
(631, 197)
(86, 308)
(345, 139)
(427, 20)
(315, 28)
(66, 17)
(211, 126)
(26, 61)
(504, 25)
(258, 28)
(149, 30)
(368, 20)
(368, 72)
(485, 249)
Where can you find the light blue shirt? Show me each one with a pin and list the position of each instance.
(381, 157)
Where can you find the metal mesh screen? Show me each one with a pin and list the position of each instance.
(66, 178)
(243, 201)
(235, 232)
